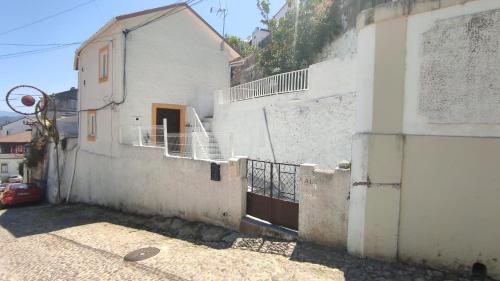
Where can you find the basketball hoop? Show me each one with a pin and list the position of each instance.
(27, 100)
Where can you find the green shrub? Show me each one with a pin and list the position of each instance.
(36, 151)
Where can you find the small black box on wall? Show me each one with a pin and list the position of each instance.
(215, 172)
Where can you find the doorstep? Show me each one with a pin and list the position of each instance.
(255, 225)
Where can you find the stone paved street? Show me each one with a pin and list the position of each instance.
(80, 242)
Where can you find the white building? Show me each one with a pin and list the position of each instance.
(145, 66)
(283, 10)
(258, 35)
(12, 148)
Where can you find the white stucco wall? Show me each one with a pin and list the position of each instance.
(93, 94)
(313, 126)
(426, 141)
(175, 60)
(142, 180)
(66, 167)
(12, 162)
(449, 202)
(452, 68)
(324, 206)
(365, 79)
(452, 71)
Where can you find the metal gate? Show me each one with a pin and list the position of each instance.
(272, 193)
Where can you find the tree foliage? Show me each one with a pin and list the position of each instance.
(264, 8)
(298, 38)
(36, 151)
(243, 47)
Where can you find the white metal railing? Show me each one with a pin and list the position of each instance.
(216, 146)
(277, 84)
(201, 140)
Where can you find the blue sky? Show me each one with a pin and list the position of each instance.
(52, 71)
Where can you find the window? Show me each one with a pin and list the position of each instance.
(4, 168)
(103, 64)
(91, 125)
(20, 149)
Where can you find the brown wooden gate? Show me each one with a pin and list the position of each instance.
(272, 193)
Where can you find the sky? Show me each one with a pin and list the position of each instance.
(52, 71)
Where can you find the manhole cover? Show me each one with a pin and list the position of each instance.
(142, 254)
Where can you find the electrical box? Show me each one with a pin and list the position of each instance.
(215, 172)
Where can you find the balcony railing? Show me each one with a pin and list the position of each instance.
(293, 81)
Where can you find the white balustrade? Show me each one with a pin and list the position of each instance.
(288, 82)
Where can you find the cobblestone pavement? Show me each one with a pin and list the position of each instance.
(81, 242)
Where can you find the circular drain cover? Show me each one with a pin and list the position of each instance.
(142, 254)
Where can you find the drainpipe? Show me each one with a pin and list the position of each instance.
(269, 134)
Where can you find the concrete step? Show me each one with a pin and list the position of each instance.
(255, 225)
(207, 125)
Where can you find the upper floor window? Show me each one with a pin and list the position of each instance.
(103, 64)
(91, 125)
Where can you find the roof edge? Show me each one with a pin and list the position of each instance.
(215, 31)
(91, 39)
(145, 12)
(149, 11)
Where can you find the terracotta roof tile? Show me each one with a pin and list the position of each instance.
(24, 137)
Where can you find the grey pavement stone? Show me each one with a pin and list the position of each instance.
(75, 242)
(212, 233)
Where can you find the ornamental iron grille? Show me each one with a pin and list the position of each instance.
(273, 193)
(276, 180)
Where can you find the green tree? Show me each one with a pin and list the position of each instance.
(264, 8)
(243, 47)
(298, 38)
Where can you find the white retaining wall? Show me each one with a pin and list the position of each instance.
(66, 166)
(324, 205)
(142, 180)
(313, 126)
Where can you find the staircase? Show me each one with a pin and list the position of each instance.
(206, 145)
(214, 152)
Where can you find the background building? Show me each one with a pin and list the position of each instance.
(12, 148)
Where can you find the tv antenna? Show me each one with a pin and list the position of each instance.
(221, 12)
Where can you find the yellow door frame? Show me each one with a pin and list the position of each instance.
(182, 117)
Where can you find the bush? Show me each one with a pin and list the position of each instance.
(36, 151)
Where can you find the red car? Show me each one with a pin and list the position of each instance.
(18, 193)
